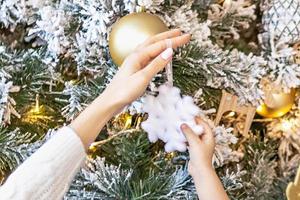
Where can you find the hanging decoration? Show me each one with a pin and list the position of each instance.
(282, 18)
(229, 103)
(130, 31)
(166, 113)
(277, 102)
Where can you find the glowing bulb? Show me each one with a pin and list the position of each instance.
(231, 114)
(227, 4)
(286, 125)
(128, 121)
(37, 104)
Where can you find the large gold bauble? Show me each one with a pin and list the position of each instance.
(130, 31)
(281, 103)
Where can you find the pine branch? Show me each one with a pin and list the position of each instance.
(10, 156)
(230, 70)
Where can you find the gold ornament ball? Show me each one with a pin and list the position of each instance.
(130, 31)
(281, 104)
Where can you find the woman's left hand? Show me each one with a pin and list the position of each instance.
(142, 65)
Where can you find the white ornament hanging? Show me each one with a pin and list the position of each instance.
(166, 113)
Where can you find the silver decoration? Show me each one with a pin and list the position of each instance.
(283, 19)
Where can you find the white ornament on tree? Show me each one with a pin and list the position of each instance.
(166, 113)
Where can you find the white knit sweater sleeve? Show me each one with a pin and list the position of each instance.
(47, 174)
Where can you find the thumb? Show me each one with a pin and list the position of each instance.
(208, 134)
(191, 137)
(158, 63)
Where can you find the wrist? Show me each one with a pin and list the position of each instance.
(201, 171)
(106, 99)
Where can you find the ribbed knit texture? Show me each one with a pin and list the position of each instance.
(47, 174)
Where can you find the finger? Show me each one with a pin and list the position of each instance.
(150, 52)
(159, 37)
(156, 65)
(207, 130)
(154, 49)
(191, 137)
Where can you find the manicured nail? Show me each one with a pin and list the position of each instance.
(183, 126)
(167, 54)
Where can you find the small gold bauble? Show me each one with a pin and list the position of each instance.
(277, 104)
(130, 31)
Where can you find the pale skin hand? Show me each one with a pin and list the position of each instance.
(129, 83)
(201, 150)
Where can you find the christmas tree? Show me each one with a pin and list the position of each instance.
(243, 59)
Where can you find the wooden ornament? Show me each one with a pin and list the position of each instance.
(228, 103)
(293, 188)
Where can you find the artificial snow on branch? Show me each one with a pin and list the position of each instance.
(50, 29)
(229, 20)
(223, 69)
(11, 143)
(94, 19)
(12, 12)
(7, 103)
(75, 104)
(187, 20)
(283, 70)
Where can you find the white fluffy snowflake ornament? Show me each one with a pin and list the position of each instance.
(166, 113)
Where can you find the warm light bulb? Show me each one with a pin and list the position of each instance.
(37, 104)
(128, 121)
(231, 114)
(227, 4)
(286, 125)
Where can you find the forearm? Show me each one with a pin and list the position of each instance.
(90, 122)
(209, 186)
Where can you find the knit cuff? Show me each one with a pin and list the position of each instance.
(47, 173)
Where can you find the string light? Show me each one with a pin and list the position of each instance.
(286, 125)
(37, 104)
(231, 114)
(36, 113)
(227, 4)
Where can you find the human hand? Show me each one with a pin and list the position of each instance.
(142, 65)
(201, 149)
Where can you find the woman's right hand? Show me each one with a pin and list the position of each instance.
(201, 149)
(142, 65)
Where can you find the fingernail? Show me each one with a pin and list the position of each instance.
(167, 54)
(183, 126)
